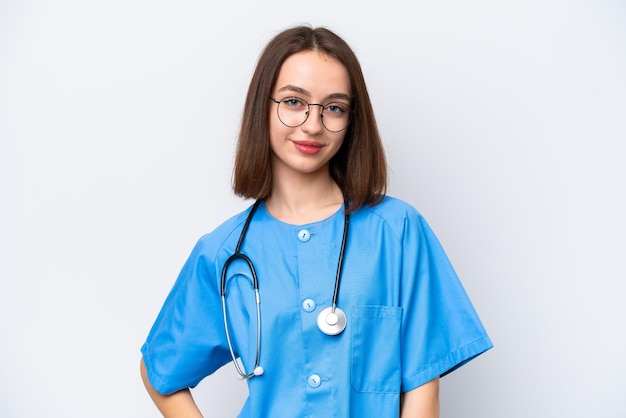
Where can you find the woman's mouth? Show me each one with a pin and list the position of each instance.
(307, 147)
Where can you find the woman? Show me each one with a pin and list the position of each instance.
(360, 311)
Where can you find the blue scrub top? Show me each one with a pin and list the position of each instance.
(409, 319)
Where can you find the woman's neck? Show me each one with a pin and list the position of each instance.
(304, 199)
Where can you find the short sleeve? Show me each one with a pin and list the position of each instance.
(187, 341)
(441, 329)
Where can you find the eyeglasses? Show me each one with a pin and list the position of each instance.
(294, 111)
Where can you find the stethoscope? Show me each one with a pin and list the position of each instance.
(331, 320)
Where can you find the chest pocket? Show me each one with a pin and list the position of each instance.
(376, 349)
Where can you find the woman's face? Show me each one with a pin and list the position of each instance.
(315, 78)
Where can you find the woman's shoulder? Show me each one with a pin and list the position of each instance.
(393, 208)
(224, 233)
(400, 218)
(395, 213)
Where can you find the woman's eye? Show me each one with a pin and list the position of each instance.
(293, 102)
(336, 108)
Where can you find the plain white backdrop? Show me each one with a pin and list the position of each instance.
(503, 121)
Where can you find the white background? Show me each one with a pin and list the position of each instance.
(504, 123)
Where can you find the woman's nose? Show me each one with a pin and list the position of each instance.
(313, 123)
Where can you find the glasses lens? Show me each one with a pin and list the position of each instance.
(336, 116)
(293, 112)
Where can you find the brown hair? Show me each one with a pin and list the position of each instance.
(359, 167)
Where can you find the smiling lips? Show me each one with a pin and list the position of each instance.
(308, 147)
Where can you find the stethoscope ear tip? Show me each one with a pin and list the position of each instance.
(258, 371)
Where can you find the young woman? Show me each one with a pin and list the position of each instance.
(331, 298)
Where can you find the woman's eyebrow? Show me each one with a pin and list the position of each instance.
(300, 90)
(339, 96)
(295, 89)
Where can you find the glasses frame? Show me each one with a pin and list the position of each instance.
(308, 112)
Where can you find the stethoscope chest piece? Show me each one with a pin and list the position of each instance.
(331, 323)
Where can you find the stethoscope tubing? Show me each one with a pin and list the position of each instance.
(344, 239)
(334, 327)
(238, 255)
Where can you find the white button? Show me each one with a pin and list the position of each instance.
(304, 235)
(308, 305)
(314, 381)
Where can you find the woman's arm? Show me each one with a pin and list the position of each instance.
(421, 402)
(176, 405)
